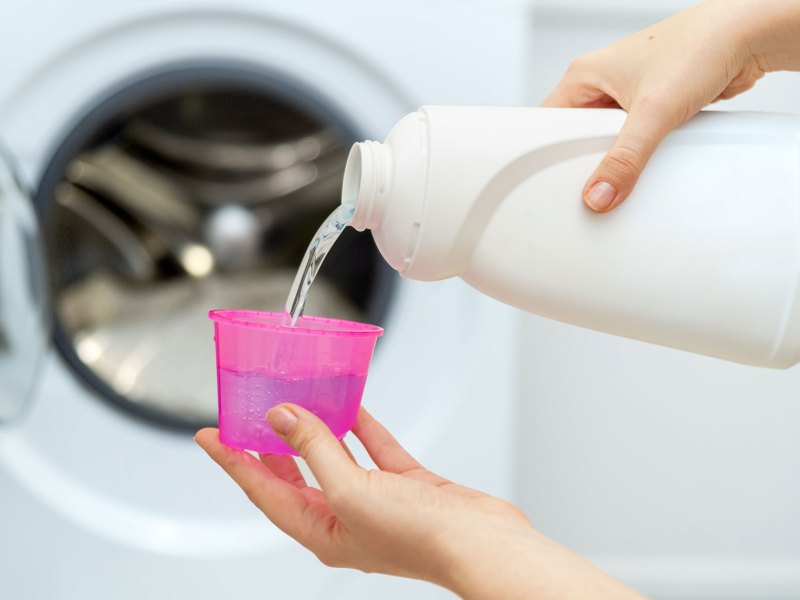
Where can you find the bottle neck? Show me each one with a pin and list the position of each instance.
(363, 184)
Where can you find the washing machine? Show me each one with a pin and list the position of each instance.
(163, 158)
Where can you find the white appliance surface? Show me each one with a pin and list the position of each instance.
(97, 504)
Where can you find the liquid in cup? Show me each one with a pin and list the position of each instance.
(319, 364)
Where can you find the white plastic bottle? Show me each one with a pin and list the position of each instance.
(704, 255)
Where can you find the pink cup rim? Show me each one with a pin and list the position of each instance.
(274, 321)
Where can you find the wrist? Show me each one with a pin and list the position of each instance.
(770, 32)
(523, 564)
(492, 563)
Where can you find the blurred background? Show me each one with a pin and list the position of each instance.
(160, 159)
(673, 471)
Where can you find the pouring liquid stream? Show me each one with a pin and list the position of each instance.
(318, 249)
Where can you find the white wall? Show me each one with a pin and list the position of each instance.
(565, 29)
(679, 473)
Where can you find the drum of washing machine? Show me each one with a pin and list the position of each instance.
(204, 196)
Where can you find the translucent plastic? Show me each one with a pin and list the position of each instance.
(320, 364)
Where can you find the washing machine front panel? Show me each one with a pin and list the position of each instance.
(94, 486)
(23, 333)
(123, 52)
(41, 101)
(194, 189)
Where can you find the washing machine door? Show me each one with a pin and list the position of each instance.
(23, 331)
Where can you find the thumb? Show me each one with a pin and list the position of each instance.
(312, 439)
(615, 177)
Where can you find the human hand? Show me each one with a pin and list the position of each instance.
(665, 74)
(401, 519)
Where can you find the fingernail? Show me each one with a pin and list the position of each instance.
(282, 421)
(601, 195)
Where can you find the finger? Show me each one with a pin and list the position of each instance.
(582, 88)
(563, 96)
(615, 177)
(285, 468)
(350, 454)
(734, 90)
(385, 451)
(312, 439)
(574, 94)
(280, 501)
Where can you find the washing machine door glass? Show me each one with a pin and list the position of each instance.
(23, 334)
(194, 189)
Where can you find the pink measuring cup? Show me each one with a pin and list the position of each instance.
(320, 364)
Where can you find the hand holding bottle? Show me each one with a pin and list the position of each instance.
(665, 74)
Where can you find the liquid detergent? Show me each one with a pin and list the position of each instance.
(318, 249)
(243, 423)
(704, 255)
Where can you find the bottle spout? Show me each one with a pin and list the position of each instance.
(363, 184)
